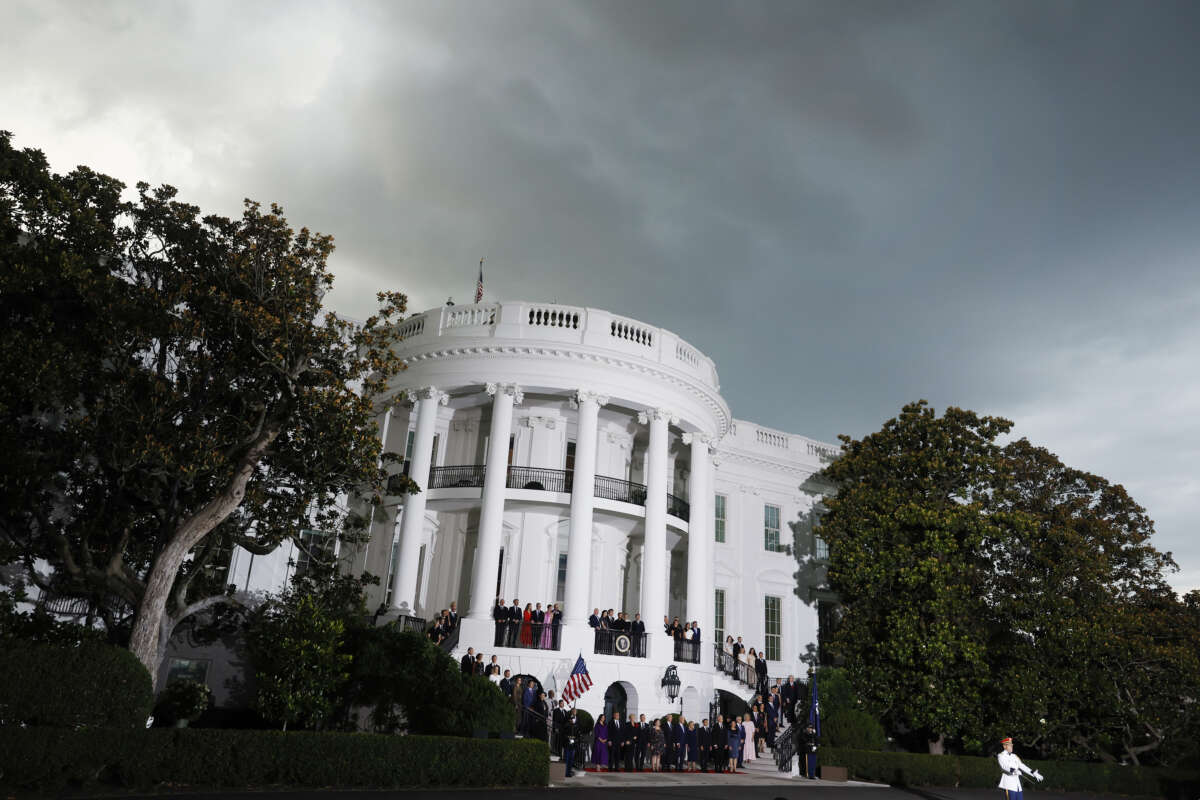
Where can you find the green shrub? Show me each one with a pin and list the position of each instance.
(47, 760)
(853, 729)
(585, 720)
(89, 686)
(919, 769)
(183, 700)
(483, 706)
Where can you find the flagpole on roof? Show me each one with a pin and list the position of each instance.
(479, 284)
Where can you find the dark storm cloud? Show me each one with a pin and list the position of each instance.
(847, 205)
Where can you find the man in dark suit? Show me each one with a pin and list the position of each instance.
(719, 736)
(561, 713)
(629, 742)
(643, 742)
(594, 619)
(637, 631)
(454, 615)
(704, 739)
(500, 617)
(515, 617)
(616, 740)
(788, 696)
(680, 734)
(738, 648)
(506, 683)
(668, 756)
(467, 664)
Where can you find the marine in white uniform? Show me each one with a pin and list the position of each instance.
(1011, 768)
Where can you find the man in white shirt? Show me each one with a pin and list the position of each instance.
(1011, 768)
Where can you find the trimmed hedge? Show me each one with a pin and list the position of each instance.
(50, 760)
(919, 769)
(88, 686)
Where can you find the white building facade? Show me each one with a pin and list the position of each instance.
(569, 455)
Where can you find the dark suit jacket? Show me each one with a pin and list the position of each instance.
(719, 736)
(787, 695)
(737, 649)
(537, 616)
(637, 626)
(616, 735)
(467, 664)
(500, 613)
(642, 734)
(704, 737)
(515, 614)
(594, 621)
(678, 734)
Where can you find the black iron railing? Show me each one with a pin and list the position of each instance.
(739, 670)
(622, 491)
(543, 480)
(407, 623)
(451, 477)
(528, 635)
(619, 643)
(677, 508)
(688, 652)
(553, 480)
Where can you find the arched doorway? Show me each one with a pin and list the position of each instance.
(732, 705)
(615, 700)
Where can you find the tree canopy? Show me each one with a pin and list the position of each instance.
(990, 590)
(181, 389)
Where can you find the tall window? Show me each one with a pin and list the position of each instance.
(512, 448)
(408, 449)
(822, 548)
(773, 627)
(771, 528)
(560, 593)
(719, 617)
(569, 466)
(387, 597)
(314, 546)
(719, 517)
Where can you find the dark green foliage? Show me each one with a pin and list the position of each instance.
(89, 686)
(482, 706)
(586, 723)
(850, 727)
(38, 625)
(182, 700)
(913, 769)
(991, 590)
(46, 760)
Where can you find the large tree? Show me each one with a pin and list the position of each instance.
(177, 388)
(991, 589)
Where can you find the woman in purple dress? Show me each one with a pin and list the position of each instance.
(600, 743)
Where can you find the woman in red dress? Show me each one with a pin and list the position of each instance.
(527, 627)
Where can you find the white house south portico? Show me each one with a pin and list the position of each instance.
(568, 456)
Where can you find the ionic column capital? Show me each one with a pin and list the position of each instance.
(428, 393)
(583, 395)
(507, 388)
(657, 414)
(697, 437)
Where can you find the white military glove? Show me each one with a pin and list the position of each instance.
(1037, 774)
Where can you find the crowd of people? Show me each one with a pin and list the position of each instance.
(444, 624)
(531, 627)
(675, 745)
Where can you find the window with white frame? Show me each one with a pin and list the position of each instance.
(771, 528)
(719, 616)
(773, 626)
(822, 548)
(719, 517)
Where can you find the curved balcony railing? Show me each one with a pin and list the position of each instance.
(551, 480)
(678, 508)
(542, 480)
(622, 491)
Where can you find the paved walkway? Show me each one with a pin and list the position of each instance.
(761, 772)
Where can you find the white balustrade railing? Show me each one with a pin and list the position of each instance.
(586, 327)
(771, 438)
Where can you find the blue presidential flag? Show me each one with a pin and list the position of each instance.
(814, 709)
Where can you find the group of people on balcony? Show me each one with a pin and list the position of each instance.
(444, 625)
(687, 639)
(609, 623)
(754, 664)
(674, 743)
(531, 627)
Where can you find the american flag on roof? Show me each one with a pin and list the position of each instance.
(479, 284)
(578, 683)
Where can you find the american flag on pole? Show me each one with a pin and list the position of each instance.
(578, 683)
(479, 283)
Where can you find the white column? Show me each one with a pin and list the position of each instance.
(656, 575)
(699, 589)
(583, 500)
(491, 516)
(404, 582)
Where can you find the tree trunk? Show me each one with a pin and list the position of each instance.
(937, 747)
(147, 639)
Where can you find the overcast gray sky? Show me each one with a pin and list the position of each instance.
(848, 205)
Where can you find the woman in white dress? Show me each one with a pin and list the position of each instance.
(748, 732)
